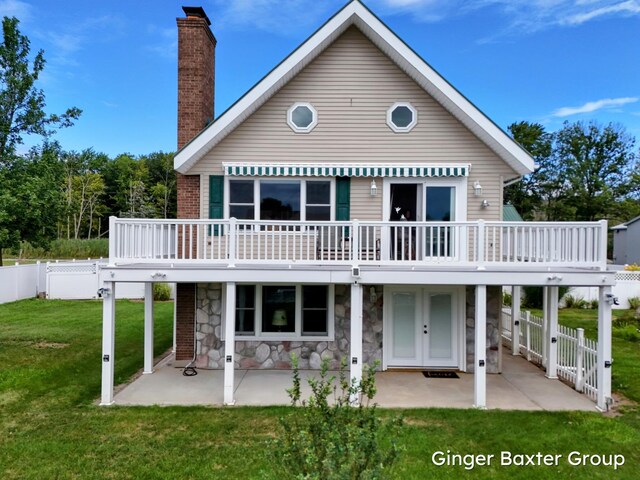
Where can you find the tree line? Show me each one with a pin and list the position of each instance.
(585, 171)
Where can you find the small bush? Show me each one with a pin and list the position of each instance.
(571, 301)
(506, 299)
(634, 303)
(161, 292)
(594, 304)
(63, 249)
(634, 267)
(319, 441)
(533, 296)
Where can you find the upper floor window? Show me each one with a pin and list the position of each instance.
(280, 199)
(302, 117)
(402, 117)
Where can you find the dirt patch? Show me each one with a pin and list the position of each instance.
(45, 345)
(620, 404)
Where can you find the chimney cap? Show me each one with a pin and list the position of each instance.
(196, 12)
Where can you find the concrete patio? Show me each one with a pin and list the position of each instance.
(521, 386)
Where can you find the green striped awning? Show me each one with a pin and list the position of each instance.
(345, 170)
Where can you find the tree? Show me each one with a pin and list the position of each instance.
(528, 194)
(31, 200)
(21, 102)
(595, 168)
(162, 183)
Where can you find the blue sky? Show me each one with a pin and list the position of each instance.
(543, 61)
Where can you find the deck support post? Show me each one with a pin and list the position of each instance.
(552, 332)
(545, 324)
(148, 328)
(229, 342)
(516, 297)
(355, 360)
(480, 355)
(108, 341)
(603, 396)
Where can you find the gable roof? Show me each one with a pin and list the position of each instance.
(623, 226)
(356, 14)
(510, 214)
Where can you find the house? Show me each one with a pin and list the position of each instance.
(626, 242)
(348, 206)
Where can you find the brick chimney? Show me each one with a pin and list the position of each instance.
(196, 58)
(196, 61)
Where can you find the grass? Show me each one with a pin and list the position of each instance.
(50, 426)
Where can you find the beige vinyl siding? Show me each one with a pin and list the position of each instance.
(363, 205)
(352, 85)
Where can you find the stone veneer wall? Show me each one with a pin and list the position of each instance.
(494, 302)
(277, 354)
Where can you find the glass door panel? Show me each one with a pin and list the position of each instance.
(439, 207)
(404, 326)
(440, 337)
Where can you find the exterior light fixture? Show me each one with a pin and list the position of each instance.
(477, 188)
(374, 188)
(485, 204)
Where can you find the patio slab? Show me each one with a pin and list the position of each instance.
(521, 386)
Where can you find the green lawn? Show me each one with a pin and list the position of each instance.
(51, 428)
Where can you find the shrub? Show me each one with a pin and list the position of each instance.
(63, 249)
(594, 304)
(161, 292)
(533, 296)
(571, 301)
(506, 299)
(634, 267)
(634, 303)
(319, 441)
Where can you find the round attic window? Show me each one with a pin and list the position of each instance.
(402, 117)
(302, 117)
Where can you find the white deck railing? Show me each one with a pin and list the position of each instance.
(476, 243)
(577, 355)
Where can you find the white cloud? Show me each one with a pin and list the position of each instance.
(605, 103)
(290, 17)
(630, 7)
(15, 8)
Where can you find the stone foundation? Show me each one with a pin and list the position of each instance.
(277, 354)
(494, 303)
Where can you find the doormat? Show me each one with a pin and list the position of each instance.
(440, 374)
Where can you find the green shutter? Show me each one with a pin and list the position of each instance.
(343, 204)
(216, 198)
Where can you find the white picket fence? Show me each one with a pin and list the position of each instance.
(577, 355)
(76, 280)
(18, 282)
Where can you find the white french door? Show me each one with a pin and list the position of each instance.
(422, 326)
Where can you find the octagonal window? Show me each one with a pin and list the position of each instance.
(302, 117)
(402, 117)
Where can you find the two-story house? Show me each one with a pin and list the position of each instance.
(349, 205)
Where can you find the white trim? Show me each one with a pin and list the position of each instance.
(292, 124)
(458, 315)
(460, 198)
(396, 128)
(389, 43)
(303, 194)
(289, 336)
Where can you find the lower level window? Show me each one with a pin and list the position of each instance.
(284, 310)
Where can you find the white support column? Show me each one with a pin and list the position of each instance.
(516, 297)
(545, 323)
(480, 356)
(108, 341)
(229, 343)
(604, 360)
(175, 317)
(356, 338)
(148, 328)
(552, 333)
